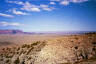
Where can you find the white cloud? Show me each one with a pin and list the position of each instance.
(43, 5)
(53, 3)
(30, 7)
(67, 2)
(19, 12)
(55, 0)
(64, 2)
(6, 15)
(71, 0)
(16, 2)
(78, 1)
(10, 24)
(34, 9)
(27, 6)
(46, 7)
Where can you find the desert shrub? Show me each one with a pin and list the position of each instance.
(29, 58)
(7, 60)
(8, 56)
(35, 43)
(65, 63)
(24, 52)
(23, 62)
(89, 37)
(20, 52)
(84, 54)
(1, 59)
(8, 48)
(94, 46)
(24, 45)
(30, 50)
(14, 47)
(1, 55)
(17, 52)
(28, 46)
(18, 48)
(94, 43)
(17, 61)
(94, 49)
(76, 38)
(3, 49)
(90, 33)
(11, 52)
(76, 47)
(72, 41)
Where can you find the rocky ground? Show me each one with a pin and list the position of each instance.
(72, 49)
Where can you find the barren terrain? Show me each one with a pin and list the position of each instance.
(48, 49)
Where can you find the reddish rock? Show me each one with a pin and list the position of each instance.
(10, 31)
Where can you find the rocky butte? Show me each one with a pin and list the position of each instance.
(11, 31)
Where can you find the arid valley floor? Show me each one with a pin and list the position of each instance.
(48, 49)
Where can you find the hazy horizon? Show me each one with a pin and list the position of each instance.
(49, 31)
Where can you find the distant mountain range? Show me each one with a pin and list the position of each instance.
(50, 32)
(14, 32)
(10, 31)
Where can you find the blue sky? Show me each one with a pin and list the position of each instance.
(48, 15)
